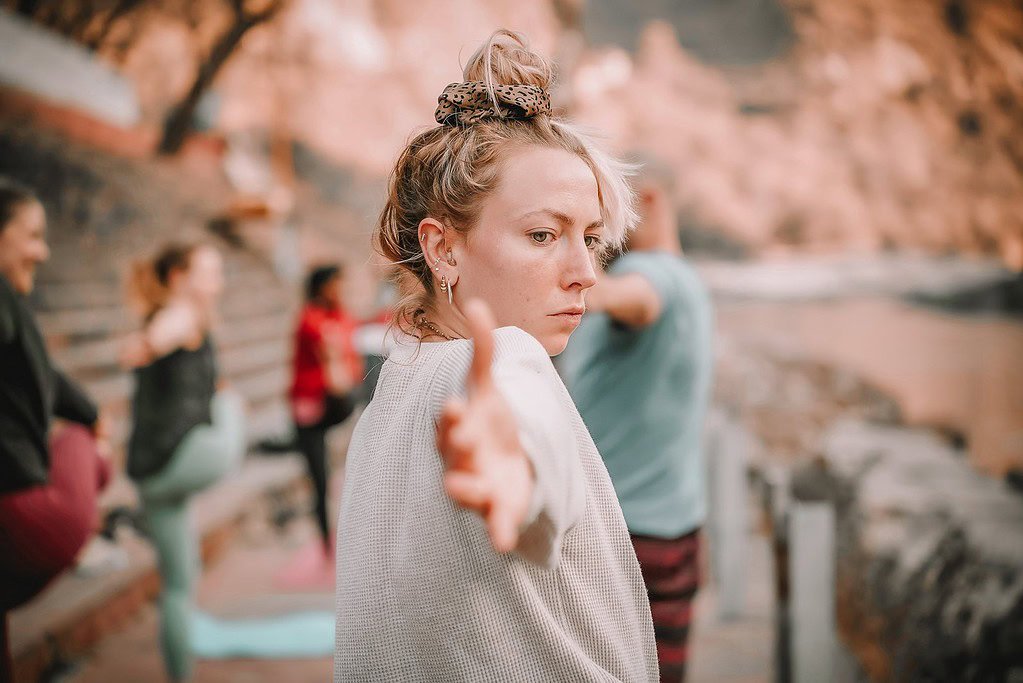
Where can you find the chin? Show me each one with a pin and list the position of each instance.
(554, 343)
(24, 284)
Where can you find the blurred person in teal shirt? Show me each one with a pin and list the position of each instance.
(639, 368)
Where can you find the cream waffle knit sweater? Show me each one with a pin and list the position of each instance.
(421, 594)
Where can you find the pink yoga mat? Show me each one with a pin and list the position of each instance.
(310, 568)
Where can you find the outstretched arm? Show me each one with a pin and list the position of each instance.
(510, 448)
(487, 469)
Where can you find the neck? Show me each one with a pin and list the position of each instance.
(446, 317)
(323, 303)
(659, 229)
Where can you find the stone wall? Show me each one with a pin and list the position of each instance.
(930, 557)
(929, 582)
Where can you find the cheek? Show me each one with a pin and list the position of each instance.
(515, 280)
(510, 269)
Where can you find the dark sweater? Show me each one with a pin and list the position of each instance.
(32, 392)
(173, 394)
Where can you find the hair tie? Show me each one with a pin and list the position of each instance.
(470, 102)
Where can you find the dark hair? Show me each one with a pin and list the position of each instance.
(12, 195)
(147, 284)
(318, 277)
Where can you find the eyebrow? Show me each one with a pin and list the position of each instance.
(563, 218)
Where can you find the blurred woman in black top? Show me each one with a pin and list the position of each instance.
(186, 434)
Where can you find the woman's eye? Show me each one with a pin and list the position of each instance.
(592, 241)
(540, 237)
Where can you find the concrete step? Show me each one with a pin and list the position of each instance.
(97, 359)
(258, 355)
(72, 258)
(259, 327)
(68, 328)
(264, 385)
(75, 612)
(106, 292)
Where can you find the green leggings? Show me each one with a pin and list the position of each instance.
(204, 456)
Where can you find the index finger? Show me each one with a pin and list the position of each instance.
(481, 328)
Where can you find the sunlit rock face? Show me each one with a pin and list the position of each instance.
(859, 125)
(885, 124)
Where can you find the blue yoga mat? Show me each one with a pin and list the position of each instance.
(290, 636)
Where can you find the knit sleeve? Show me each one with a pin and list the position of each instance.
(525, 376)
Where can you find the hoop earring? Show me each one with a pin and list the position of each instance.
(445, 287)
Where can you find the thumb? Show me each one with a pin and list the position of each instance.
(481, 329)
(503, 529)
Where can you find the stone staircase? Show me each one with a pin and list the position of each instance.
(82, 311)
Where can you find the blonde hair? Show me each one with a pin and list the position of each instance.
(447, 171)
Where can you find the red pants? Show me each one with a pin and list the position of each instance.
(43, 527)
(671, 571)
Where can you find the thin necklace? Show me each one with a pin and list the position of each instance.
(423, 322)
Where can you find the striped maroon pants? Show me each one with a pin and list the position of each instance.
(671, 571)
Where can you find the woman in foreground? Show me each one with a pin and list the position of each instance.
(479, 536)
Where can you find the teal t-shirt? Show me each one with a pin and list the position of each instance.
(643, 395)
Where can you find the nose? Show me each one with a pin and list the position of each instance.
(44, 253)
(578, 269)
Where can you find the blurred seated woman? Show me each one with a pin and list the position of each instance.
(186, 434)
(49, 480)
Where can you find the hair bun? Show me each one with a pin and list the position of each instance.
(473, 101)
(505, 59)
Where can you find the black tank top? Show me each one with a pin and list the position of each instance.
(172, 395)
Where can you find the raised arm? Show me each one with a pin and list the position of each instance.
(629, 299)
(169, 330)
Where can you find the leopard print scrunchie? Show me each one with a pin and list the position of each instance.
(469, 102)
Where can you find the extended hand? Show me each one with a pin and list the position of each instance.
(487, 469)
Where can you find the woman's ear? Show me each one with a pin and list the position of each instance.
(453, 242)
(436, 250)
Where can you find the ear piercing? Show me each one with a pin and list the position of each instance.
(449, 288)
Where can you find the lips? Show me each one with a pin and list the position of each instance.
(570, 313)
